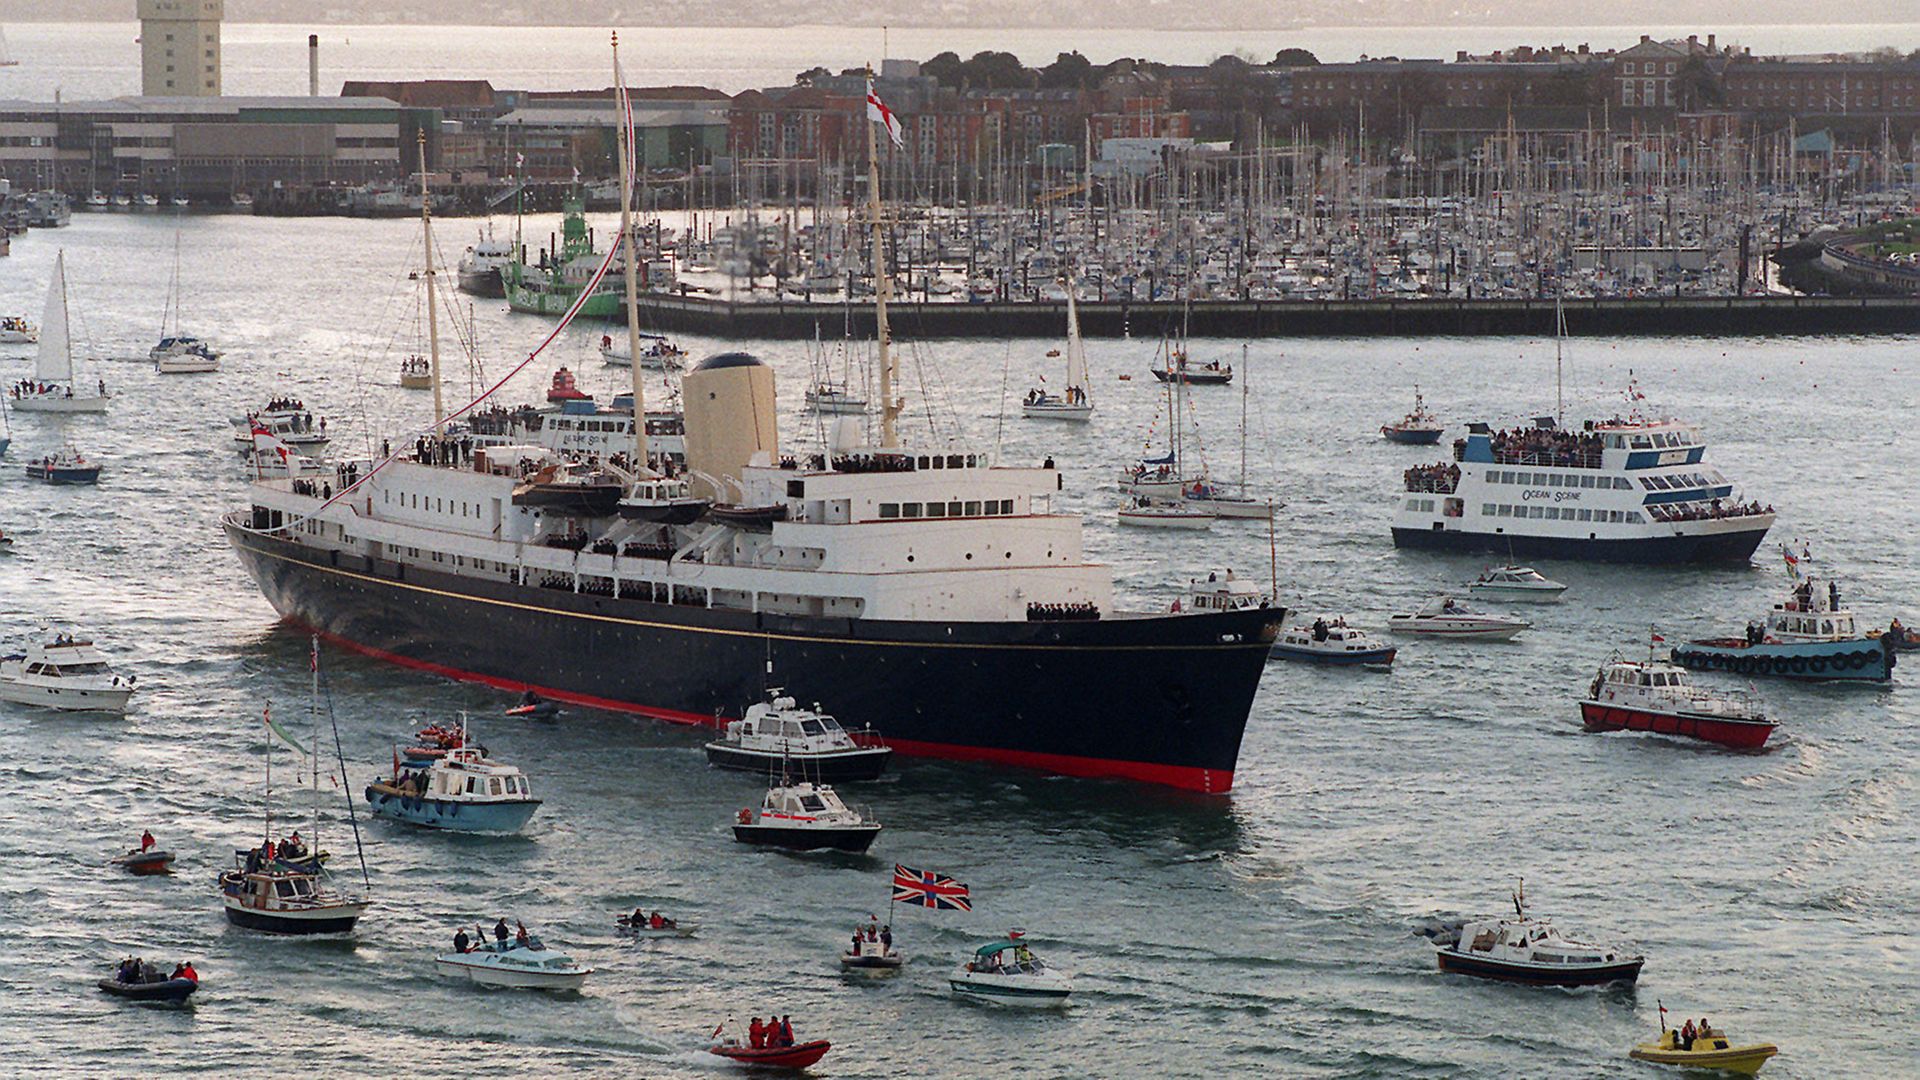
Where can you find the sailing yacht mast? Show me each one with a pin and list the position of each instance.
(641, 465)
(1559, 373)
(433, 309)
(882, 288)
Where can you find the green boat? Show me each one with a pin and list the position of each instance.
(550, 286)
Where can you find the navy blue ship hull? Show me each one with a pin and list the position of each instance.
(269, 923)
(1162, 698)
(1864, 659)
(1653, 550)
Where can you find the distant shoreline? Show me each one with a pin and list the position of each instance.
(1632, 30)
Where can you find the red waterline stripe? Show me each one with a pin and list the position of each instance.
(1185, 777)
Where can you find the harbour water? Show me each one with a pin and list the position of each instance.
(100, 60)
(1274, 929)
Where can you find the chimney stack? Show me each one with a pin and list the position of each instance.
(313, 65)
(1710, 47)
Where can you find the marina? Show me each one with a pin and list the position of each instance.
(1219, 855)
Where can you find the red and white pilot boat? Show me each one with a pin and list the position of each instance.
(1653, 695)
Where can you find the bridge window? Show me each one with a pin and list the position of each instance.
(889, 510)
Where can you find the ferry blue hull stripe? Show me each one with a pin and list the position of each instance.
(1661, 550)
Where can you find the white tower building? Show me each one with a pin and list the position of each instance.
(180, 47)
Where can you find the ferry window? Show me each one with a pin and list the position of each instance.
(1006, 506)
(953, 461)
(1633, 517)
(1506, 511)
(973, 509)
(1553, 513)
(889, 510)
(955, 509)
(909, 510)
(1486, 509)
(1536, 511)
(939, 462)
(1620, 483)
(1539, 479)
(1586, 515)
(923, 461)
(1586, 481)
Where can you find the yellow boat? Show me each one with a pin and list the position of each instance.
(1710, 1051)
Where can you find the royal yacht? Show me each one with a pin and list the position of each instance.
(1619, 490)
(908, 584)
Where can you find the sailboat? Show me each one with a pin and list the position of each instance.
(52, 387)
(1231, 502)
(282, 888)
(1073, 401)
(826, 396)
(178, 353)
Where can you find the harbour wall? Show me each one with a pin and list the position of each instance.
(1640, 316)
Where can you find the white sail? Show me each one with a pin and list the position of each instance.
(1076, 350)
(55, 363)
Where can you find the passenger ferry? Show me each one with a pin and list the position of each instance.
(1620, 490)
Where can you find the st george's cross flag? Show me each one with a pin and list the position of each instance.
(878, 112)
(929, 889)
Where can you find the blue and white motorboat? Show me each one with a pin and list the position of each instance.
(1617, 490)
(1332, 641)
(462, 790)
(1009, 971)
(1809, 635)
(64, 466)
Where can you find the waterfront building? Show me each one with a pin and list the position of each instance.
(180, 47)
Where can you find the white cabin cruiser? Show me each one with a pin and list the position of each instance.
(834, 400)
(1532, 951)
(1522, 584)
(777, 735)
(64, 673)
(183, 354)
(528, 966)
(16, 330)
(1332, 641)
(1009, 971)
(659, 354)
(1445, 617)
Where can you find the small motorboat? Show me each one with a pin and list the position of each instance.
(1531, 951)
(276, 896)
(16, 330)
(1153, 513)
(1418, 428)
(66, 466)
(1009, 971)
(777, 734)
(1213, 373)
(1709, 1050)
(64, 673)
(1522, 584)
(183, 354)
(797, 1056)
(144, 862)
(1445, 617)
(658, 354)
(663, 500)
(834, 400)
(1332, 641)
(571, 488)
(655, 926)
(416, 373)
(805, 817)
(524, 965)
(1652, 695)
(535, 707)
(138, 980)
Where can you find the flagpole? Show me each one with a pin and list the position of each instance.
(266, 714)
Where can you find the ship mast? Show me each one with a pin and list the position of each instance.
(641, 465)
(882, 288)
(433, 314)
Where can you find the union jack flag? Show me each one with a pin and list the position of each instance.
(928, 889)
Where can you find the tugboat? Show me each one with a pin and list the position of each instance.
(65, 466)
(138, 980)
(1809, 635)
(1445, 617)
(1517, 584)
(1418, 428)
(65, 673)
(1332, 641)
(462, 790)
(1009, 971)
(522, 962)
(1532, 951)
(1708, 1049)
(1650, 695)
(777, 734)
(1629, 489)
(805, 817)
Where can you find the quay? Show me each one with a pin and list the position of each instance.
(1692, 316)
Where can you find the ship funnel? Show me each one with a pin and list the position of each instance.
(730, 419)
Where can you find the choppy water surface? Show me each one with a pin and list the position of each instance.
(1270, 930)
